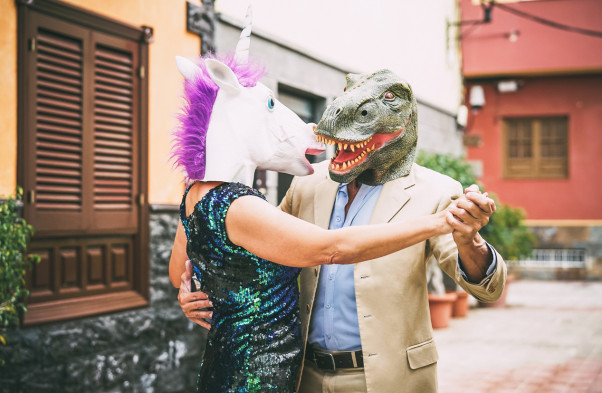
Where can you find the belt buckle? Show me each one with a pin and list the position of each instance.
(326, 354)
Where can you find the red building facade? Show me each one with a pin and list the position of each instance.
(533, 79)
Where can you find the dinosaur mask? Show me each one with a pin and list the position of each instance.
(374, 128)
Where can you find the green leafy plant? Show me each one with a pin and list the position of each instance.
(506, 230)
(14, 261)
(454, 167)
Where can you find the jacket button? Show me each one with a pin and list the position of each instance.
(308, 307)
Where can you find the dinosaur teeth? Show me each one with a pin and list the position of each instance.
(352, 148)
(344, 165)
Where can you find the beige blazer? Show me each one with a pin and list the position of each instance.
(391, 292)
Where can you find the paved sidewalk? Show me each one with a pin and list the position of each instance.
(548, 339)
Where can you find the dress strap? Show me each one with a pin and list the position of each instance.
(183, 216)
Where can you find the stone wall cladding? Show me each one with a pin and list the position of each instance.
(153, 349)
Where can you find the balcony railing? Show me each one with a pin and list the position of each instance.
(555, 258)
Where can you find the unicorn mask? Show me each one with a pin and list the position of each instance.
(232, 124)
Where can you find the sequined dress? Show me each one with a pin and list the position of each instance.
(254, 344)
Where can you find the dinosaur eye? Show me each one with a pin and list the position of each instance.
(271, 103)
(366, 113)
(389, 95)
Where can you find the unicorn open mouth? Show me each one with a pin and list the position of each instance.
(349, 154)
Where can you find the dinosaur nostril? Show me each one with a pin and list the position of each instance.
(338, 111)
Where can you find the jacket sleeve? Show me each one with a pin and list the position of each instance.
(444, 249)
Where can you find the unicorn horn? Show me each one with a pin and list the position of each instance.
(242, 48)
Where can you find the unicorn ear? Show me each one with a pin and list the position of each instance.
(223, 76)
(188, 69)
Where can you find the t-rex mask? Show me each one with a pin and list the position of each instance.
(374, 127)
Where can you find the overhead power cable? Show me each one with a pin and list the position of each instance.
(548, 22)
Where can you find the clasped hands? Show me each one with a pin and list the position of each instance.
(468, 214)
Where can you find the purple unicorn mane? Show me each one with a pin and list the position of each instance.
(189, 142)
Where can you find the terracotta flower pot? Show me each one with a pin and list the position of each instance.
(460, 305)
(441, 309)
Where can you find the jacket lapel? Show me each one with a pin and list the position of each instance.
(392, 198)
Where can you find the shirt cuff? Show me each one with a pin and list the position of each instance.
(490, 269)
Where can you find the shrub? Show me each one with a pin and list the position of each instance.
(14, 235)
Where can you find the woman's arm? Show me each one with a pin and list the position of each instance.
(178, 256)
(267, 232)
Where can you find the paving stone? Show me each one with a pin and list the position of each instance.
(547, 339)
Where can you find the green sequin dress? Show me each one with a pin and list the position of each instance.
(254, 344)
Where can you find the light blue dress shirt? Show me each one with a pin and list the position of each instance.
(334, 325)
(334, 320)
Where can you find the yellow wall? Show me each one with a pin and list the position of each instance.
(8, 97)
(168, 18)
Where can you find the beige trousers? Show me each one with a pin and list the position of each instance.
(314, 380)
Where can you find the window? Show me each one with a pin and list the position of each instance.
(536, 148)
(82, 160)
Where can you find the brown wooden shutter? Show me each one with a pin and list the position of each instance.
(115, 133)
(82, 129)
(84, 151)
(553, 140)
(59, 122)
(55, 148)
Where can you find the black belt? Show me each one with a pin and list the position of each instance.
(332, 361)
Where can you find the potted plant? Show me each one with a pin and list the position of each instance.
(14, 235)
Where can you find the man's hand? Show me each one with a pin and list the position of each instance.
(469, 215)
(193, 303)
(472, 213)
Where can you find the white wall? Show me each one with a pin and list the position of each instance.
(406, 36)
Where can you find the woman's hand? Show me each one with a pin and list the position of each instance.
(444, 219)
(194, 304)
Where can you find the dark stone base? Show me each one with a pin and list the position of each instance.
(154, 349)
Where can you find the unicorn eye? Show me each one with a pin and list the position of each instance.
(271, 102)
